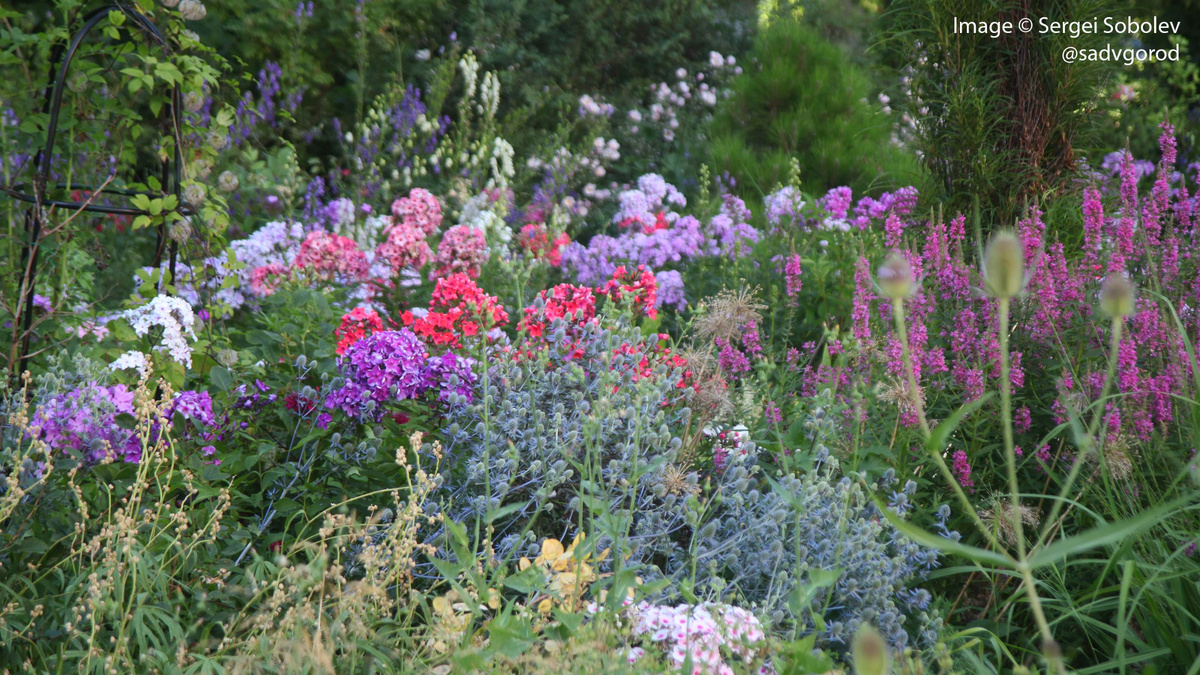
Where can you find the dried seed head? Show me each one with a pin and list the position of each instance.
(1117, 295)
(227, 181)
(870, 651)
(193, 101)
(181, 231)
(896, 277)
(1004, 266)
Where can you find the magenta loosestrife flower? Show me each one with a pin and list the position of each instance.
(962, 470)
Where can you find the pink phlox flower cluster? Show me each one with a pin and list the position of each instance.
(420, 209)
(462, 249)
(332, 255)
(709, 635)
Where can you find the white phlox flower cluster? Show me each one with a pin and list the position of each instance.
(176, 319)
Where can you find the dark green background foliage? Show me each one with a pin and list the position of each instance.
(1007, 118)
(802, 97)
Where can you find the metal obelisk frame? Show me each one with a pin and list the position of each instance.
(60, 64)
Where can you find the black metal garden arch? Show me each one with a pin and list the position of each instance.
(36, 194)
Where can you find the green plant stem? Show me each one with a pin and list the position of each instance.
(902, 334)
(1013, 512)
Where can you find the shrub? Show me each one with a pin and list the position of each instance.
(800, 98)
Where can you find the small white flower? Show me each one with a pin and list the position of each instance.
(423, 55)
(192, 10)
(132, 359)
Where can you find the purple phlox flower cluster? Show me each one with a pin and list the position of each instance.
(594, 264)
(83, 420)
(453, 378)
(670, 290)
(380, 368)
(394, 365)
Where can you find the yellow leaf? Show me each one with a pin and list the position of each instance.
(545, 606)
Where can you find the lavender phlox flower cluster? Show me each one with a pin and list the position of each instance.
(729, 233)
(670, 290)
(652, 196)
(783, 207)
(275, 243)
(174, 316)
(594, 264)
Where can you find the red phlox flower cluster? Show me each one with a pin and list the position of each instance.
(458, 309)
(636, 288)
(534, 239)
(576, 303)
(355, 326)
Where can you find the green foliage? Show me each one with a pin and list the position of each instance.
(1000, 120)
(800, 98)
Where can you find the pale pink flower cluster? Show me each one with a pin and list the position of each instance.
(416, 217)
(463, 249)
(332, 254)
(706, 635)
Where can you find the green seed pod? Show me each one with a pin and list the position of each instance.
(870, 651)
(896, 277)
(1117, 295)
(1004, 266)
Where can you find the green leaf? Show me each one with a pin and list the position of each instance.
(926, 538)
(529, 580)
(510, 635)
(116, 17)
(1103, 535)
(509, 509)
(221, 377)
(941, 435)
